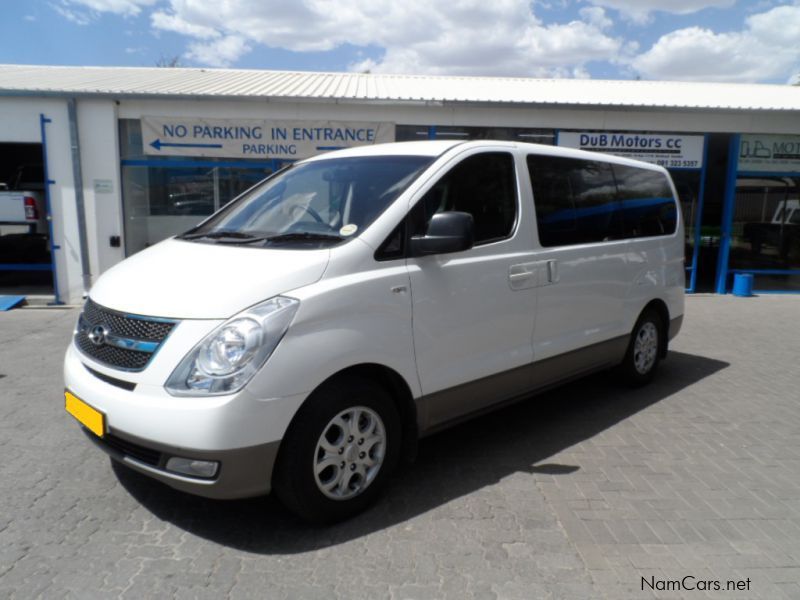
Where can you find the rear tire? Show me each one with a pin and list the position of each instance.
(644, 349)
(339, 451)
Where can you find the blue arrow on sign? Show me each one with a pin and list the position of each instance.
(158, 144)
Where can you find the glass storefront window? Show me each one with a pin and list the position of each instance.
(159, 202)
(162, 197)
(687, 183)
(765, 233)
(781, 283)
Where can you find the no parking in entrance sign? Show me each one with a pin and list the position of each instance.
(256, 138)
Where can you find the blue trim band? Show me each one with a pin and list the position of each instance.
(130, 344)
(767, 271)
(143, 318)
(203, 164)
(26, 267)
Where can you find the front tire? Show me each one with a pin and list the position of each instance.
(339, 451)
(644, 349)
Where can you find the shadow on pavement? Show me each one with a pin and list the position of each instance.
(450, 464)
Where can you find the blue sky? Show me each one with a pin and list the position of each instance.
(706, 40)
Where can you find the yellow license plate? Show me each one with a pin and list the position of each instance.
(87, 416)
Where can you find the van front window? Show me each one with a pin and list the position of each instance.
(317, 203)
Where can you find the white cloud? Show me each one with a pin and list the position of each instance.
(221, 52)
(596, 16)
(640, 10)
(502, 37)
(119, 7)
(73, 16)
(767, 48)
(167, 22)
(83, 12)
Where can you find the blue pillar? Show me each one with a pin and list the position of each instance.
(698, 218)
(727, 213)
(43, 120)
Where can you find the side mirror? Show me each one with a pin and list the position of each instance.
(450, 231)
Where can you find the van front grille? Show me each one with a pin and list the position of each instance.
(122, 341)
(129, 360)
(127, 326)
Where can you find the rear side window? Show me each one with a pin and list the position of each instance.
(483, 185)
(576, 201)
(580, 201)
(645, 201)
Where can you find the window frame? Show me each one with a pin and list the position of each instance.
(618, 200)
(408, 229)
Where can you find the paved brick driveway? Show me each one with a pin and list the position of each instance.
(580, 493)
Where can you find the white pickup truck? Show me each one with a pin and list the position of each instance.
(22, 202)
(22, 208)
(23, 218)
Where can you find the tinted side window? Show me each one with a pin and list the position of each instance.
(576, 201)
(483, 185)
(646, 202)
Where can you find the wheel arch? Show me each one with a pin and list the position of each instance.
(660, 307)
(395, 385)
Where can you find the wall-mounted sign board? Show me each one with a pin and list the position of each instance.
(673, 151)
(769, 153)
(255, 138)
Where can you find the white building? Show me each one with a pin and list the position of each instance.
(135, 155)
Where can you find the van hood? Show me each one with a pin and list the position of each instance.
(191, 280)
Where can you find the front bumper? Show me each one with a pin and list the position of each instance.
(146, 426)
(243, 472)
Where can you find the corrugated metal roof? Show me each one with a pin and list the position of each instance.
(236, 83)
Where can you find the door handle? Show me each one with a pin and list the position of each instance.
(514, 277)
(522, 276)
(552, 271)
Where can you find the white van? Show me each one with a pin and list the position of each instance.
(305, 336)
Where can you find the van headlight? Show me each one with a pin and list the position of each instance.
(227, 358)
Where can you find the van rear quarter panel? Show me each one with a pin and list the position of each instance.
(658, 272)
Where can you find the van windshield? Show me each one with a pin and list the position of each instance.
(313, 204)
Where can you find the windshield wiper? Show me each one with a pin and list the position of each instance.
(304, 236)
(225, 237)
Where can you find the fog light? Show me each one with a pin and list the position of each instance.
(192, 467)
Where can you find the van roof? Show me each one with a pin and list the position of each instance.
(436, 148)
(421, 148)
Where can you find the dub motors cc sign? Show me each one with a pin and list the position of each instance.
(251, 138)
(673, 151)
(770, 153)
